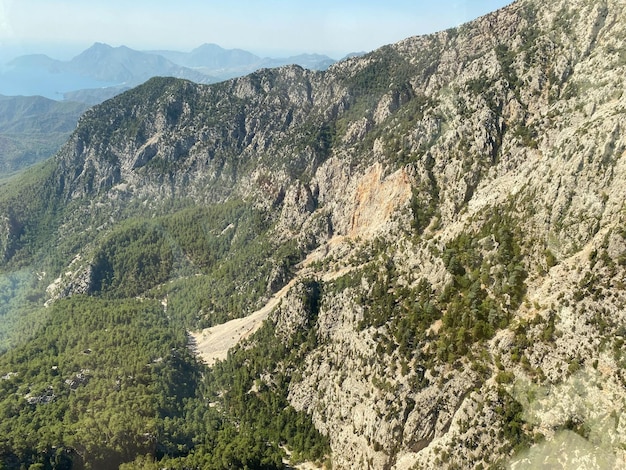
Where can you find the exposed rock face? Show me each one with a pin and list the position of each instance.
(546, 142)
(463, 195)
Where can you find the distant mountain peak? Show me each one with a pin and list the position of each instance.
(102, 45)
(98, 47)
(209, 46)
(101, 71)
(33, 60)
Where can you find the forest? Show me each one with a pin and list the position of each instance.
(110, 376)
(108, 380)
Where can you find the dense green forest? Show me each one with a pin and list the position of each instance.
(99, 378)
(107, 380)
(191, 255)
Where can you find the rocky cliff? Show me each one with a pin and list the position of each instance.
(460, 198)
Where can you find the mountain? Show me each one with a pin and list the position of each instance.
(308, 61)
(211, 57)
(28, 114)
(33, 129)
(97, 74)
(97, 70)
(43, 76)
(124, 65)
(37, 61)
(422, 249)
(228, 63)
(103, 71)
(92, 96)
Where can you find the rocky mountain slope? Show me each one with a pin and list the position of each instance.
(459, 201)
(33, 128)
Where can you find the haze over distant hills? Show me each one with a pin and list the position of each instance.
(228, 63)
(32, 127)
(103, 71)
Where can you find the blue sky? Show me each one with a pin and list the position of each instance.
(270, 27)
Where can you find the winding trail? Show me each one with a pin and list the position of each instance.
(212, 344)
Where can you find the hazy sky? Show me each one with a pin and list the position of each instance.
(269, 27)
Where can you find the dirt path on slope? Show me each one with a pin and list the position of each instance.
(212, 344)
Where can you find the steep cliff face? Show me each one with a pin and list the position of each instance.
(460, 200)
(520, 130)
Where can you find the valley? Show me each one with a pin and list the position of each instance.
(413, 259)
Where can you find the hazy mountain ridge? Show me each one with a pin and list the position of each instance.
(38, 114)
(33, 129)
(460, 200)
(211, 57)
(214, 59)
(110, 67)
(109, 71)
(115, 69)
(124, 65)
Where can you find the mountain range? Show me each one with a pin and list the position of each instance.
(413, 259)
(228, 63)
(102, 71)
(96, 75)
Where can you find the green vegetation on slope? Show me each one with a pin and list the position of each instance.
(107, 380)
(96, 380)
(96, 385)
(33, 128)
(487, 283)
